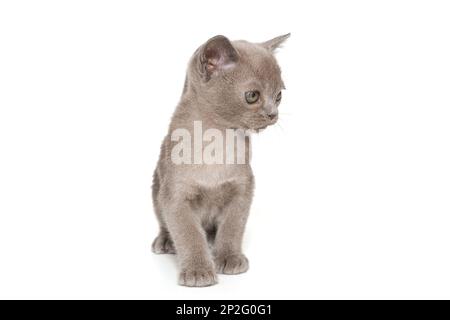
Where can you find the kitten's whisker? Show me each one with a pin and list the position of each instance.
(279, 126)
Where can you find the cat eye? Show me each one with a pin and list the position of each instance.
(252, 96)
(278, 99)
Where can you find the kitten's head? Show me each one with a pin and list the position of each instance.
(239, 82)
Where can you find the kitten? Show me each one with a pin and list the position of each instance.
(229, 85)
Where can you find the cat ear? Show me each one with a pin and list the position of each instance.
(275, 42)
(217, 54)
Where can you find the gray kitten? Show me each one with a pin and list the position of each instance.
(229, 85)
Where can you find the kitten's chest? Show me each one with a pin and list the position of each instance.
(215, 176)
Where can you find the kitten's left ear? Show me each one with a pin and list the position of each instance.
(275, 43)
(217, 54)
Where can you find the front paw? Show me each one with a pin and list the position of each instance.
(163, 244)
(231, 264)
(197, 277)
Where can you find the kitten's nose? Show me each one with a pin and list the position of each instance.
(272, 115)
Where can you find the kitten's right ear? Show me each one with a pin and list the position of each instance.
(217, 54)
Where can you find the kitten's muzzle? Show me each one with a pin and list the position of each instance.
(273, 115)
(270, 112)
(269, 119)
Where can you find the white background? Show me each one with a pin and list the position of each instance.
(352, 189)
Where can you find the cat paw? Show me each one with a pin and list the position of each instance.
(197, 278)
(231, 264)
(163, 244)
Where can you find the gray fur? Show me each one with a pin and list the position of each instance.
(196, 203)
